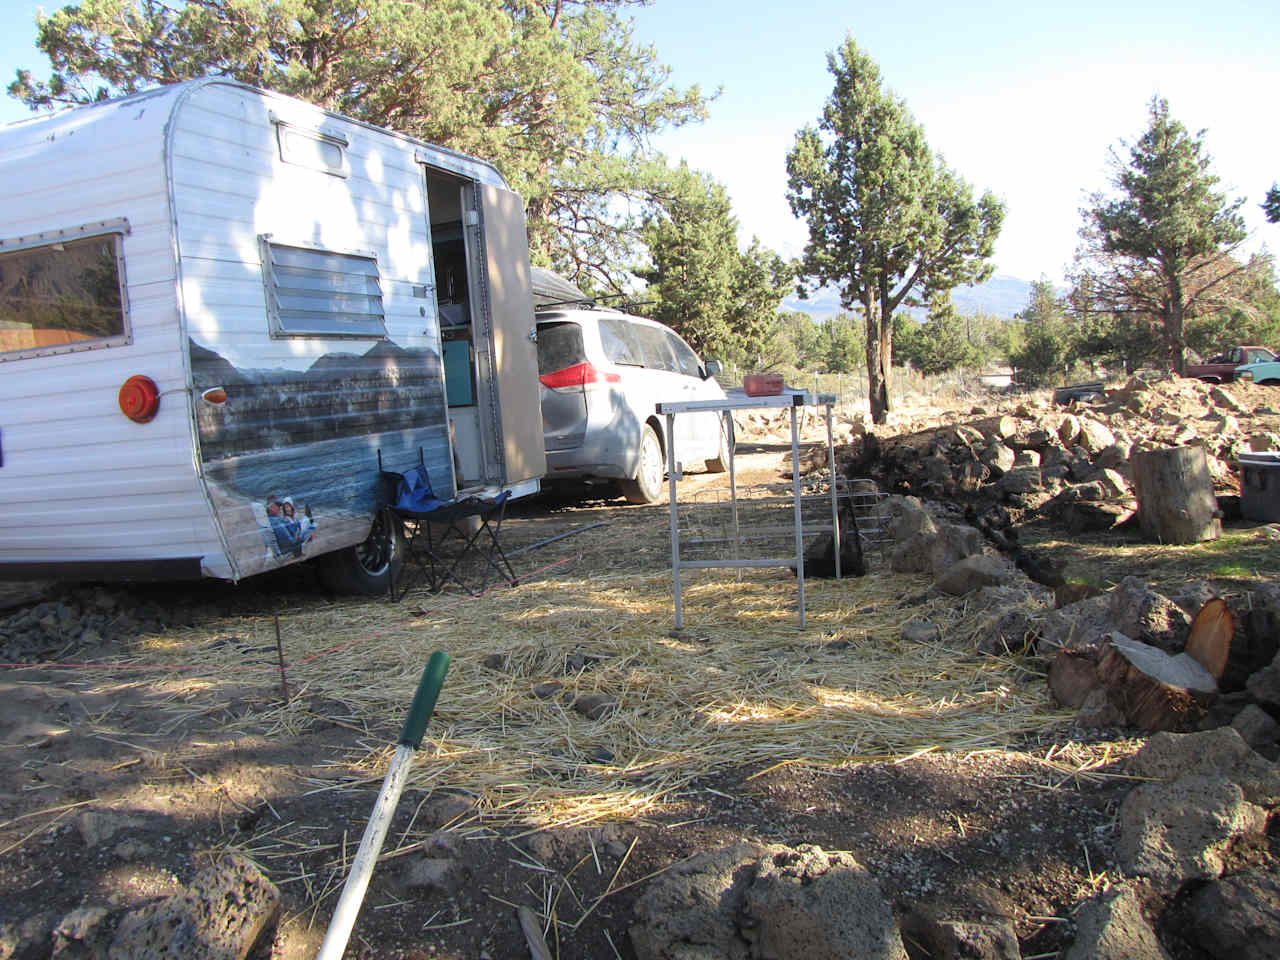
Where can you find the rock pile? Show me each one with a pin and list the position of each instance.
(1119, 657)
(1071, 462)
(1183, 847)
(75, 618)
(227, 909)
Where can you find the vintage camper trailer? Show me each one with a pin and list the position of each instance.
(218, 307)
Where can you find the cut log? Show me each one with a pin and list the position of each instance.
(1209, 642)
(1149, 688)
(1155, 691)
(1175, 495)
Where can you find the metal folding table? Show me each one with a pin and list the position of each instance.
(793, 400)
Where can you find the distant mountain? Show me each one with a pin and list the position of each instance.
(1001, 296)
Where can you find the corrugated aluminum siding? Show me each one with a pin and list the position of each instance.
(80, 482)
(305, 416)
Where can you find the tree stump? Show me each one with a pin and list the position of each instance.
(1154, 690)
(1146, 687)
(1175, 495)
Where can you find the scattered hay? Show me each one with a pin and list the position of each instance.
(742, 685)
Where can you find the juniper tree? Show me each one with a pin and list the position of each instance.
(1160, 248)
(889, 224)
(558, 94)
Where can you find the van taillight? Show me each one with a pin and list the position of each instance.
(582, 374)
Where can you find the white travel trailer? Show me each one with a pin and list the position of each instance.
(219, 307)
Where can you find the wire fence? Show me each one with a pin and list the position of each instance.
(851, 390)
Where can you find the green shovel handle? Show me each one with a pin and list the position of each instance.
(424, 700)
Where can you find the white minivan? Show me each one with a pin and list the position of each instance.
(602, 374)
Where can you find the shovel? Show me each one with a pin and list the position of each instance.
(344, 915)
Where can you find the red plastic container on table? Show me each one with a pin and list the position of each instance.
(762, 384)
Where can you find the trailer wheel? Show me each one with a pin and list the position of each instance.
(367, 568)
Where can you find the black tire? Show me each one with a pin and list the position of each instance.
(720, 462)
(367, 569)
(647, 486)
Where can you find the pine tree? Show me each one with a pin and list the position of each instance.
(721, 300)
(1047, 348)
(888, 223)
(558, 95)
(1161, 247)
(1271, 204)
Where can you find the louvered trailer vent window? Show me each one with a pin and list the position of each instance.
(322, 293)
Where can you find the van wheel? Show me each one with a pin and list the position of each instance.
(646, 486)
(720, 462)
(367, 568)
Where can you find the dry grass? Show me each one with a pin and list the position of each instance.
(741, 685)
(1241, 560)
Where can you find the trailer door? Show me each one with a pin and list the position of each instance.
(515, 401)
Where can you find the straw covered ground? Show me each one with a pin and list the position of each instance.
(742, 684)
(580, 745)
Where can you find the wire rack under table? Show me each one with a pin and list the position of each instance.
(759, 527)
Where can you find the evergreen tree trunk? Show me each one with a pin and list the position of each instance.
(881, 402)
(1174, 332)
(886, 351)
(878, 362)
(538, 211)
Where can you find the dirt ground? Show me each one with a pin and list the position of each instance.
(117, 784)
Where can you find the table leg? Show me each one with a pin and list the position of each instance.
(795, 495)
(675, 519)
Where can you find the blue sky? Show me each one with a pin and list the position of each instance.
(1022, 98)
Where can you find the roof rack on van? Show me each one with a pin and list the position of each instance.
(576, 301)
(593, 301)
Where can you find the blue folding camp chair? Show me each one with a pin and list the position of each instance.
(443, 543)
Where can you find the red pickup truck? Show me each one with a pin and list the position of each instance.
(1222, 368)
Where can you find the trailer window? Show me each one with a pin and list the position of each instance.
(325, 152)
(322, 293)
(61, 296)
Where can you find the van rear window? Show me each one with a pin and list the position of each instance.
(559, 346)
(61, 296)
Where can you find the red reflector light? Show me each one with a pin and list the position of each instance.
(139, 399)
(579, 375)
